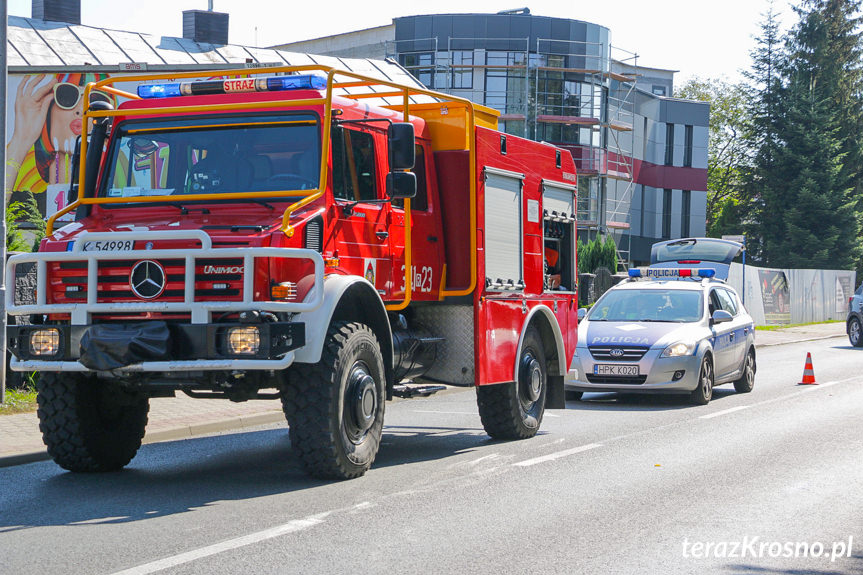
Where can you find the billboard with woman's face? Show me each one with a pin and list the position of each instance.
(44, 121)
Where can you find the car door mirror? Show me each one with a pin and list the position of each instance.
(720, 316)
(582, 311)
(401, 185)
(400, 142)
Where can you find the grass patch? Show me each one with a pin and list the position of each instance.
(787, 325)
(19, 401)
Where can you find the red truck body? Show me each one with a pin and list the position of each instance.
(301, 249)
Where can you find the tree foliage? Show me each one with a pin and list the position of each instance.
(796, 172)
(728, 131)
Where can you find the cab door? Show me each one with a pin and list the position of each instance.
(362, 219)
(426, 242)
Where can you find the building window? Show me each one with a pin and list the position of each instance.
(685, 213)
(669, 144)
(687, 150)
(666, 214)
(421, 66)
(641, 230)
(462, 69)
(659, 90)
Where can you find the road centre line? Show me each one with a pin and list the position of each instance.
(808, 389)
(724, 411)
(566, 452)
(242, 541)
(557, 455)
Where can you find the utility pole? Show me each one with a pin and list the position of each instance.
(4, 11)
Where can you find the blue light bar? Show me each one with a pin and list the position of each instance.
(301, 82)
(159, 90)
(233, 85)
(674, 273)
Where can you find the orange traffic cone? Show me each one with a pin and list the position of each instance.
(808, 372)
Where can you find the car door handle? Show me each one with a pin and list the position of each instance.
(382, 235)
(731, 336)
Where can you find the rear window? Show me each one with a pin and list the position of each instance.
(695, 249)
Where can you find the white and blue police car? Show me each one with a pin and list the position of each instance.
(665, 330)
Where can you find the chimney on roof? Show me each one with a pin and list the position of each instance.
(205, 26)
(68, 11)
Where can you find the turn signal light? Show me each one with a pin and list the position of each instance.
(284, 290)
(45, 341)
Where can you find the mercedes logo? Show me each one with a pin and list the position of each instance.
(147, 279)
(616, 352)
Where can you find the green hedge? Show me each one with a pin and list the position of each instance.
(597, 254)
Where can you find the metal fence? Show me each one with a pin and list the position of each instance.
(783, 296)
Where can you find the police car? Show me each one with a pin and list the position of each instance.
(665, 330)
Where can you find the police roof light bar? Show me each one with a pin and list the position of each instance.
(233, 86)
(658, 273)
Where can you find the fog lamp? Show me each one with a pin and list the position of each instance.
(244, 340)
(45, 341)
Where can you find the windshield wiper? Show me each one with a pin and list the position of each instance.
(265, 204)
(183, 209)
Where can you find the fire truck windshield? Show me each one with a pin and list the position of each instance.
(214, 156)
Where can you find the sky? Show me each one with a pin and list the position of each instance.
(695, 37)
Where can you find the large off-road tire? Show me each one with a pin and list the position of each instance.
(514, 410)
(855, 332)
(747, 379)
(335, 408)
(87, 424)
(703, 392)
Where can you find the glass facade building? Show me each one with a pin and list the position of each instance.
(641, 155)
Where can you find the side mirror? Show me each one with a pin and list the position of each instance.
(400, 143)
(720, 316)
(401, 185)
(582, 311)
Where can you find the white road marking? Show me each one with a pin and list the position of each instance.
(483, 458)
(806, 389)
(557, 455)
(724, 411)
(445, 412)
(245, 540)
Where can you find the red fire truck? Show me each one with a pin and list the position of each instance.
(286, 237)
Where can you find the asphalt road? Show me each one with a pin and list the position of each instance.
(612, 485)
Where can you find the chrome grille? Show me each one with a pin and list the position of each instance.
(617, 352)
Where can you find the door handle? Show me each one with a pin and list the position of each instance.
(382, 235)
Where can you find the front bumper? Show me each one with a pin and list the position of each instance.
(192, 347)
(656, 374)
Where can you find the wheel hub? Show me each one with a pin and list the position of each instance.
(531, 378)
(362, 399)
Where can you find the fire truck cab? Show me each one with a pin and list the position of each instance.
(305, 234)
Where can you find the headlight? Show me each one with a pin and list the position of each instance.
(244, 340)
(45, 341)
(678, 349)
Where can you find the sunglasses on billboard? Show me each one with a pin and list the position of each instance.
(67, 96)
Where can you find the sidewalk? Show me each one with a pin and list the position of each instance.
(170, 418)
(182, 416)
(800, 333)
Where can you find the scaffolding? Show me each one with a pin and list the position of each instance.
(577, 95)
